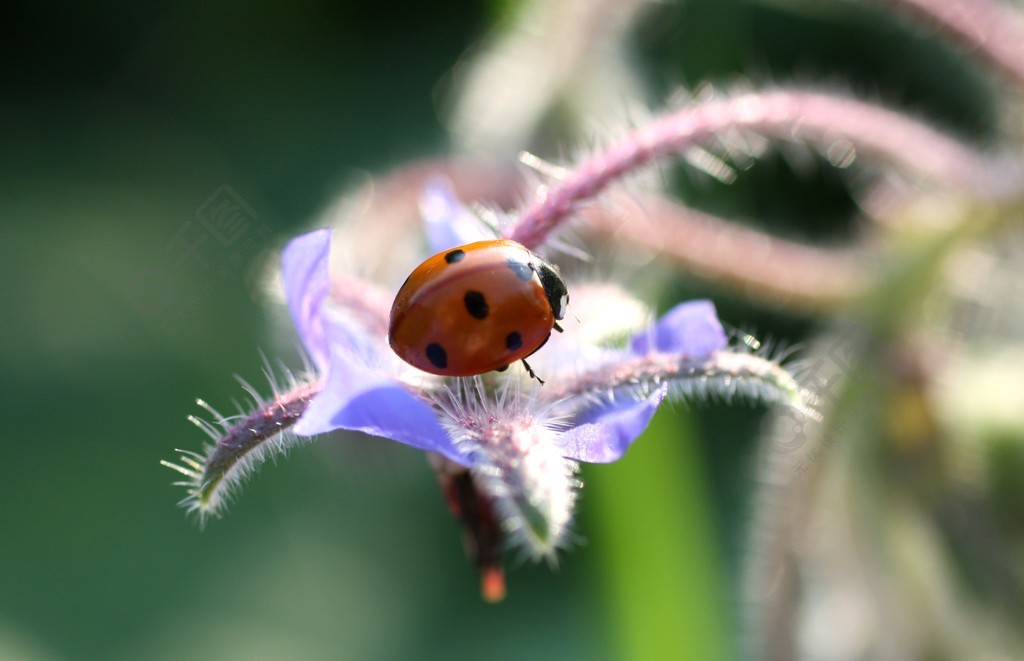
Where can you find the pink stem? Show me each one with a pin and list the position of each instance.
(823, 119)
(991, 31)
(766, 268)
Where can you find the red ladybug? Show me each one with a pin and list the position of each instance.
(477, 308)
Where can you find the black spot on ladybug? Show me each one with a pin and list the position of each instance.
(513, 341)
(453, 256)
(476, 304)
(437, 356)
(523, 270)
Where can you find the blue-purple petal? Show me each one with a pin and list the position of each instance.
(446, 222)
(304, 272)
(690, 329)
(603, 433)
(357, 399)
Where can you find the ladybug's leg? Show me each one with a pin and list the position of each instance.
(557, 327)
(529, 370)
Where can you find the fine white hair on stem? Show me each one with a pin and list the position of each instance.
(508, 432)
(726, 375)
(240, 442)
(889, 137)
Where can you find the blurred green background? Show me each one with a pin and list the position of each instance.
(117, 123)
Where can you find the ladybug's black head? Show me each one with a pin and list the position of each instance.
(554, 288)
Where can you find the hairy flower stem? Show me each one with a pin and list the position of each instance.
(238, 444)
(821, 119)
(263, 423)
(767, 268)
(724, 374)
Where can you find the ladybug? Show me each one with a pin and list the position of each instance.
(477, 308)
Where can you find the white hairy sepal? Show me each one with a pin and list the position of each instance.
(726, 375)
(241, 443)
(509, 436)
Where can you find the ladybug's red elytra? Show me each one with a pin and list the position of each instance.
(477, 308)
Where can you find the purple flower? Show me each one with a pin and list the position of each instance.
(517, 441)
(366, 387)
(504, 446)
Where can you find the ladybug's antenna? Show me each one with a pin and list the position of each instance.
(529, 370)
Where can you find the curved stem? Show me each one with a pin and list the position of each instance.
(822, 119)
(768, 268)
